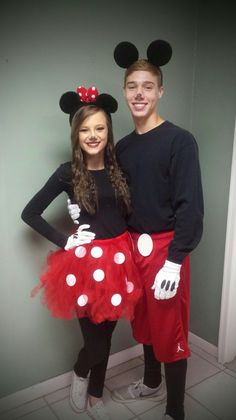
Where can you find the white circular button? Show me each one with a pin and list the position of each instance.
(119, 258)
(82, 300)
(116, 299)
(70, 279)
(80, 251)
(129, 286)
(98, 275)
(145, 244)
(96, 252)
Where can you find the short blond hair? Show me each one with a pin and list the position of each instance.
(144, 65)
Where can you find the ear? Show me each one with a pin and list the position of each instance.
(125, 54)
(160, 92)
(69, 102)
(159, 52)
(106, 102)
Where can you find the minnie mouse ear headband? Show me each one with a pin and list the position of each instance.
(159, 53)
(70, 102)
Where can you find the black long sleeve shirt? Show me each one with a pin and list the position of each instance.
(107, 222)
(163, 173)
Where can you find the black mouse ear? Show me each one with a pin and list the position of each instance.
(125, 54)
(106, 102)
(69, 102)
(159, 52)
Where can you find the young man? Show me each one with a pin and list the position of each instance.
(160, 161)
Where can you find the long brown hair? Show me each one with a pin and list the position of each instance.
(85, 192)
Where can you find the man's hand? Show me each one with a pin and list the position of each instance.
(74, 211)
(80, 237)
(167, 281)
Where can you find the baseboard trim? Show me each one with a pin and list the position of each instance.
(125, 355)
(203, 344)
(54, 384)
(58, 382)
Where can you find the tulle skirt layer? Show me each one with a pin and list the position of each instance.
(97, 280)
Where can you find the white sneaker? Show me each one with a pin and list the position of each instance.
(138, 391)
(168, 417)
(78, 393)
(98, 411)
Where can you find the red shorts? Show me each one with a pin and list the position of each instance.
(162, 323)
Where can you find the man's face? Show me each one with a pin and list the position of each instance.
(142, 94)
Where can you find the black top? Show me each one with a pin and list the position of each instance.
(163, 173)
(106, 223)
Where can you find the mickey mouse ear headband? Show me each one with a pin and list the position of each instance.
(159, 53)
(70, 102)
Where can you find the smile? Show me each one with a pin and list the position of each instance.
(94, 143)
(139, 106)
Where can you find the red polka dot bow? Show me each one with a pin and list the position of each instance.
(87, 95)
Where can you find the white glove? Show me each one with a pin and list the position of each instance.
(80, 237)
(167, 281)
(74, 211)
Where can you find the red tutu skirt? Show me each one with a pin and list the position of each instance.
(97, 280)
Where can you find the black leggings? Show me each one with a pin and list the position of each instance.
(175, 375)
(93, 357)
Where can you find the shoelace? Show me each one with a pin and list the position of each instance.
(139, 382)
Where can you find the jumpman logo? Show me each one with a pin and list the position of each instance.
(179, 348)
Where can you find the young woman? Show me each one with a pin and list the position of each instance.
(94, 280)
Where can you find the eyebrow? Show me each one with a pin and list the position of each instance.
(97, 125)
(146, 82)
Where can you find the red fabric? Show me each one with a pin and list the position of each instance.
(162, 323)
(119, 279)
(87, 95)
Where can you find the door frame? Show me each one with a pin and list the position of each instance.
(227, 330)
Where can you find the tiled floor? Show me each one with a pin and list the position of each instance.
(210, 395)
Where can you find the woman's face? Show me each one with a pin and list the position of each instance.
(93, 136)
